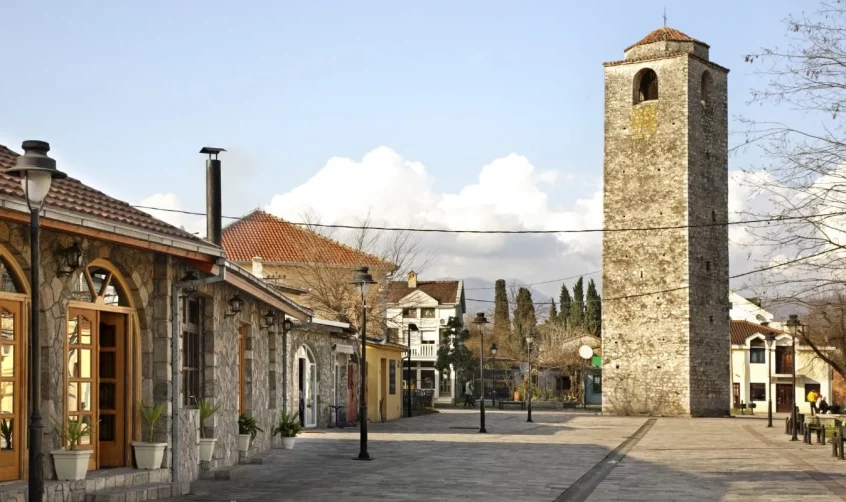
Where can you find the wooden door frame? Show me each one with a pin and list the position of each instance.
(132, 380)
(16, 304)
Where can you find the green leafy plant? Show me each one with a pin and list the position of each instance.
(289, 425)
(206, 409)
(248, 425)
(152, 415)
(7, 432)
(72, 432)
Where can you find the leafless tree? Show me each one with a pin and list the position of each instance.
(824, 330)
(804, 179)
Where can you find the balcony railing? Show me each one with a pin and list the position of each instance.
(424, 350)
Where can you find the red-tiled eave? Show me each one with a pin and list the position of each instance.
(741, 330)
(260, 234)
(73, 195)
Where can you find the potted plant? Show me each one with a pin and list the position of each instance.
(206, 409)
(149, 455)
(288, 428)
(247, 430)
(7, 432)
(71, 463)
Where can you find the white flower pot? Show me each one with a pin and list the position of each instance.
(243, 442)
(207, 449)
(71, 465)
(288, 443)
(149, 455)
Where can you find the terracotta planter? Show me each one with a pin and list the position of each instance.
(207, 449)
(243, 442)
(71, 465)
(288, 443)
(149, 455)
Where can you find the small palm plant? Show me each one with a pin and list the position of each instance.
(289, 425)
(7, 432)
(152, 415)
(248, 425)
(206, 409)
(72, 432)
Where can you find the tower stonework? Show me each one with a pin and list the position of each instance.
(665, 321)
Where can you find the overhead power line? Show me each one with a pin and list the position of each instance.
(521, 232)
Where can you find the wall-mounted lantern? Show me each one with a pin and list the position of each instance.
(269, 320)
(236, 303)
(69, 259)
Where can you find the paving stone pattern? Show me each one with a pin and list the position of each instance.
(442, 457)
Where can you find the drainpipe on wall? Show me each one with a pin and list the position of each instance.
(174, 350)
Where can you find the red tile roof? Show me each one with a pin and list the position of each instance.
(741, 330)
(443, 291)
(72, 195)
(278, 241)
(666, 34)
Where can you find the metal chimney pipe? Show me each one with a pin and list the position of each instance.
(214, 204)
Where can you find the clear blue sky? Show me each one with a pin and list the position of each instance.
(127, 92)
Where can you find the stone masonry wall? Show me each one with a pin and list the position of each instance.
(645, 329)
(709, 261)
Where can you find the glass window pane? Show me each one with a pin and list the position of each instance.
(107, 396)
(8, 283)
(106, 428)
(7, 326)
(86, 440)
(81, 291)
(84, 331)
(7, 361)
(107, 365)
(73, 396)
(7, 433)
(7, 397)
(107, 335)
(85, 363)
(85, 396)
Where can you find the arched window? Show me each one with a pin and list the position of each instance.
(645, 86)
(97, 284)
(9, 283)
(705, 88)
(757, 351)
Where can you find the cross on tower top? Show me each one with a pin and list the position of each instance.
(665, 15)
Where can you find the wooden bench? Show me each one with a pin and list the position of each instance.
(521, 404)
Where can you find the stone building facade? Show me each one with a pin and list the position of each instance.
(665, 319)
(110, 338)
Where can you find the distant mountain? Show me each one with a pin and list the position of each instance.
(479, 294)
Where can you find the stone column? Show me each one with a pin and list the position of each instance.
(156, 371)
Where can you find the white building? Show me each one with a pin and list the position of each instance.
(752, 356)
(418, 312)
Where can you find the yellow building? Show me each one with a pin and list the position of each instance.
(384, 380)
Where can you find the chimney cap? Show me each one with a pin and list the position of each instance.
(212, 150)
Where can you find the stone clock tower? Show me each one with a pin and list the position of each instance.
(665, 320)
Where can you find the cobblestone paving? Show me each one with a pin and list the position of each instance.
(442, 457)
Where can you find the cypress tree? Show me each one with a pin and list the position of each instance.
(524, 314)
(565, 304)
(577, 316)
(593, 310)
(553, 312)
(502, 319)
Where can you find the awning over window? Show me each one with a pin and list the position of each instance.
(343, 349)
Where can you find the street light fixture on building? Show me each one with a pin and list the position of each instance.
(236, 303)
(269, 319)
(37, 172)
(480, 321)
(792, 326)
(770, 345)
(69, 259)
(362, 280)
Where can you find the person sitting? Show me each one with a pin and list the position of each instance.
(823, 405)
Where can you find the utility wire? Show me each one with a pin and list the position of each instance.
(543, 282)
(467, 231)
(626, 297)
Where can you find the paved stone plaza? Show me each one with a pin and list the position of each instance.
(561, 456)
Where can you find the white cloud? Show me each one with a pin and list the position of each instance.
(509, 194)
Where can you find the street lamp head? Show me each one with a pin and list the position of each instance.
(362, 279)
(770, 338)
(529, 339)
(36, 171)
(494, 349)
(480, 319)
(413, 327)
(793, 324)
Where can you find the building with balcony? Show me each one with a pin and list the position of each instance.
(418, 313)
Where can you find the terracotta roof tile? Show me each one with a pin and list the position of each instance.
(72, 195)
(666, 34)
(443, 291)
(741, 330)
(276, 240)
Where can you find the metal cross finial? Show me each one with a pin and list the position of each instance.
(665, 16)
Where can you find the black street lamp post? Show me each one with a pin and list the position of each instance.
(770, 345)
(362, 280)
(529, 340)
(493, 351)
(480, 320)
(792, 325)
(37, 172)
(411, 327)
